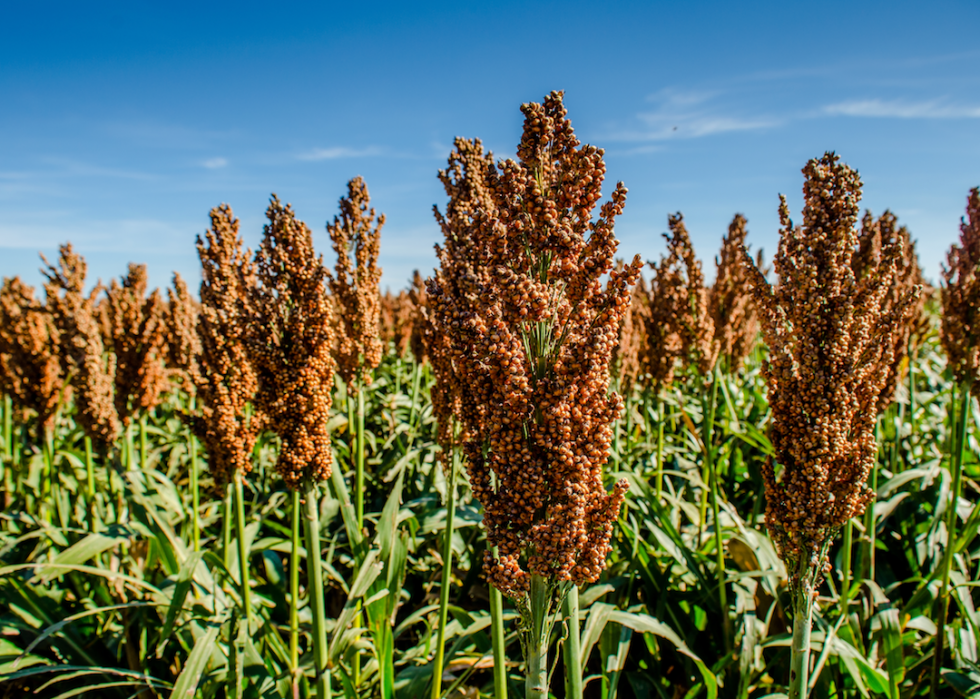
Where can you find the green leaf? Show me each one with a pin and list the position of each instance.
(181, 589)
(194, 667)
(91, 546)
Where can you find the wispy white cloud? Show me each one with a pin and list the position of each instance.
(690, 114)
(215, 163)
(903, 109)
(340, 152)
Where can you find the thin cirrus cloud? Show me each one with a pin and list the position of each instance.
(338, 152)
(215, 163)
(902, 109)
(689, 114)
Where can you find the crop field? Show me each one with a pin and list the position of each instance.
(544, 469)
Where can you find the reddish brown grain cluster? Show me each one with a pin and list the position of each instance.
(632, 337)
(529, 330)
(355, 285)
(417, 297)
(830, 345)
(874, 234)
(730, 304)
(30, 365)
(291, 339)
(677, 326)
(84, 356)
(134, 331)
(960, 295)
(226, 380)
(182, 341)
(456, 400)
(397, 320)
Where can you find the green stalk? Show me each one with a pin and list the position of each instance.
(360, 458)
(242, 547)
(8, 425)
(845, 587)
(572, 647)
(8, 447)
(799, 673)
(499, 643)
(226, 525)
(143, 448)
(294, 598)
(358, 446)
(413, 411)
(89, 468)
(195, 492)
(712, 468)
(868, 548)
(129, 446)
(51, 478)
(911, 392)
(961, 422)
(536, 681)
(660, 445)
(315, 587)
(447, 572)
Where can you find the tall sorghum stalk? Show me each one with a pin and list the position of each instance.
(530, 329)
(355, 288)
(675, 325)
(960, 335)
(8, 448)
(354, 285)
(30, 369)
(449, 392)
(290, 341)
(84, 356)
(183, 345)
(294, 559)
(224, 375)
(830, 349)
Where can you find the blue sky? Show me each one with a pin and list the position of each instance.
(122, 125)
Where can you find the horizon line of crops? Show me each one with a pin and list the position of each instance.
(542, 364)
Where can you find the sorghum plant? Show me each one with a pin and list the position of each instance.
(136, 337)
(908, 275)
(183, 345)
(290, 341)
(531, 330)
(30, 368)
(417, 298)
(632, 339)
(30, 364)
(182, 340)
(730, 304)
(226, 380)
(358, 303)
(397, 320)
(355, 284)
(677, 328)
(91, 369)
(960, 294)
(960, 336)
(84, 358)
(830, 348)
